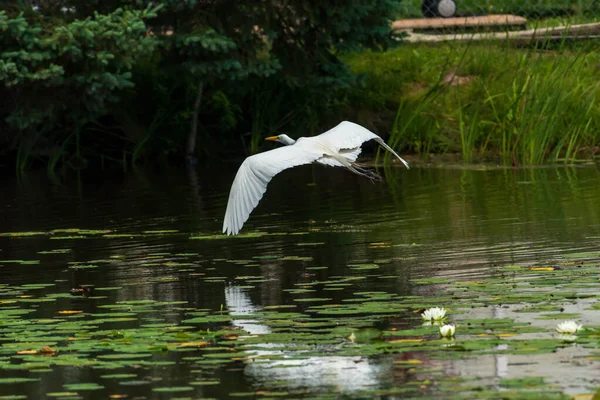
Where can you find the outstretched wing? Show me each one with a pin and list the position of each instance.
(348, 135)
(251, 181)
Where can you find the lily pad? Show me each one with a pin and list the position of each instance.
(173, 389)
(83, 386)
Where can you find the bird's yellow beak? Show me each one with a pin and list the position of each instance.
(272, 138)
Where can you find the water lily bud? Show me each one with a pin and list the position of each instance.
(447, 331)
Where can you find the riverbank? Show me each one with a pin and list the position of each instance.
(486, 101)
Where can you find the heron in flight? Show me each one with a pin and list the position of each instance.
(338, 147)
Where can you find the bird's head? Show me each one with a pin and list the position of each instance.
(285, 139)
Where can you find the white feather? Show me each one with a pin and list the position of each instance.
(251, 181)
(338, 147)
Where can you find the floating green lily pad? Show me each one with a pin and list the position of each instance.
(173, 389)
(83, 386)
(6, 381)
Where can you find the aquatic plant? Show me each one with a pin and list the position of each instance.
(434, 314)
(568, 327)
(447, 331)
(126, 344)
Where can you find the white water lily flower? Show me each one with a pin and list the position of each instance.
(568, 327)
(447, 331)
(434, 314)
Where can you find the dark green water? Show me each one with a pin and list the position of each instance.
(452, 224)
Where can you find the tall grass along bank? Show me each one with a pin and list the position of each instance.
(485, 100)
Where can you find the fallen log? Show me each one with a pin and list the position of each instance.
(581, 31)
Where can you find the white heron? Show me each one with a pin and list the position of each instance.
(338, 147)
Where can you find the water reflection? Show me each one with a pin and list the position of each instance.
(349, 374)
(238, 303)
(452, 224)
(345, 374)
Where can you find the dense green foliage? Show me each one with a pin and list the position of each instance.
(119, 82)
(89, 81)
(58, 78)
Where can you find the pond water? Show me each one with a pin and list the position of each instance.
(121, 285)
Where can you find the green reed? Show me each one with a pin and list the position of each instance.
(488, 100)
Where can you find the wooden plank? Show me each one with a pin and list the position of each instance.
(580, 31)
(458, 22)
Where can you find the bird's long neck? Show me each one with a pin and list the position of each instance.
(286, 140)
